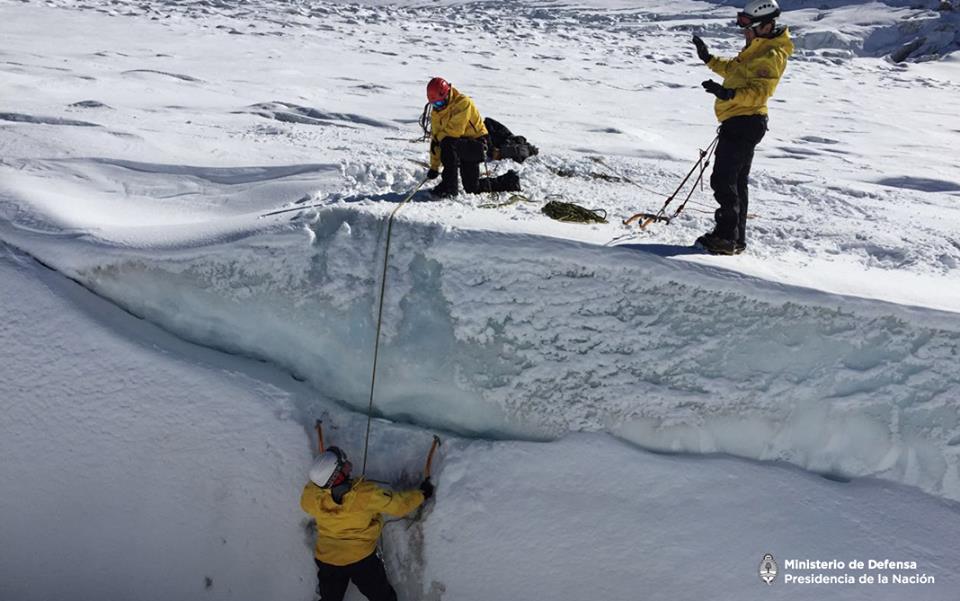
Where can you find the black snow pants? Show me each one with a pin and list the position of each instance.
(367, 574)
(739, 137)
(464, 155)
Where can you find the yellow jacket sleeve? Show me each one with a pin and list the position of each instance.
(309, 501)
(394, 503)
(720, 66)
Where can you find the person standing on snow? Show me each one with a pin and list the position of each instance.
(459, 141)
(349, 516)
(749, 80)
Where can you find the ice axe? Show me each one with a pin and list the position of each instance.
(426, 474)
(433, 449)
(319, 427)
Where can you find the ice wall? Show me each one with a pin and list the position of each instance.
(497, 335)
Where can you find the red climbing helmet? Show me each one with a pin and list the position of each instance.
(438, 89)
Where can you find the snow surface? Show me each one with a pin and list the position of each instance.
(147, 162)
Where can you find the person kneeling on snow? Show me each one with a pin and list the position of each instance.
(460, 141)
(349, 516)
(749, 80)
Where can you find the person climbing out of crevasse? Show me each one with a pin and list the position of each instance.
(349, 516)
(749, 80)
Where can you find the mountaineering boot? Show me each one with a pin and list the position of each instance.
(739, 248)
(508, 182)
(442, 192)
(716, 245)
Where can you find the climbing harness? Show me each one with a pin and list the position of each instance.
(573, 213)
(376, 343)
(703, 161)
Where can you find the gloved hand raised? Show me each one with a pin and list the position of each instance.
(426, 487)
(717, 90)
(702, 51)
(433, 174)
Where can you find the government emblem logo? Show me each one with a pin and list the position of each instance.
(768, 569)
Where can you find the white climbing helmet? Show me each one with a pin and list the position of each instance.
(328, 466)
(758, 12)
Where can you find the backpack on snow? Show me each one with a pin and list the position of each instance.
(505, 145)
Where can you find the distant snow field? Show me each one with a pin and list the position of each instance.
(193, 201)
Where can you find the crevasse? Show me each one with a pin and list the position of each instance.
(498, 335)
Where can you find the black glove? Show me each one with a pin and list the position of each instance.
(717, 90)
(426, 487)
(433, 174)
(702, 51)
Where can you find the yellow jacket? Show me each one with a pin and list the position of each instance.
(459, 119)
(754, 74)
(348, 532)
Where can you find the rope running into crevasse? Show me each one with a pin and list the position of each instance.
(517, 197)
(376, 343)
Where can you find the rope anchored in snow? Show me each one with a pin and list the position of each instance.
(645, 219)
